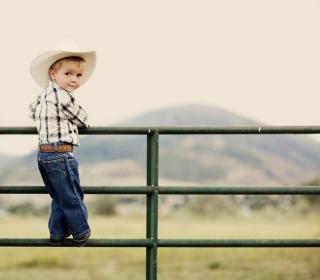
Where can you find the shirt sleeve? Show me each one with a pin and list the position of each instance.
(73, 111)
(33, 106)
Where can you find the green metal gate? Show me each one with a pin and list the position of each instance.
(152, 190)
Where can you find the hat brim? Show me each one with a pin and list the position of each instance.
(40, 65)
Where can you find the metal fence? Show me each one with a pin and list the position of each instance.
(152, 190)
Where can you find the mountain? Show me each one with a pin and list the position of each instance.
(6, 160)
(187, 159)
(189, 115)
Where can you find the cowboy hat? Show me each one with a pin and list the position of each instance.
(41, 63)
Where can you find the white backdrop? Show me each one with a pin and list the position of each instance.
(260, 59)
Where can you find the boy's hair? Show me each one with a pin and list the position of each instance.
(77, 59)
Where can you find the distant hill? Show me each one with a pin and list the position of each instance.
(189, 115)
(6, 160)
(206, 159)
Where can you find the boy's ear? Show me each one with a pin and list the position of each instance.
(52, 73)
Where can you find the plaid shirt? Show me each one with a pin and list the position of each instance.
(57, 115)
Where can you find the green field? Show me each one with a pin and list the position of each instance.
(181, 263)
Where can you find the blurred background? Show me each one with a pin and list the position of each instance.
(171, 63)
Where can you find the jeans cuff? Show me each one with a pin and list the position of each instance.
(59, 237)
(81, 235)
(56, 236)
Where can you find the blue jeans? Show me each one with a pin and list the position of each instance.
(69, 214)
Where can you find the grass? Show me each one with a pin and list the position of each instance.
(173, 263)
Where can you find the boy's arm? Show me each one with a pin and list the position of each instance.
(32, 107)
(73, 111)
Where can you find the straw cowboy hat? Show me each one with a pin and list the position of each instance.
(41, 64)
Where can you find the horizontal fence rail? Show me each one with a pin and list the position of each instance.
(178, 130)
(152, 190)
(294, 190)
(32, 242)
(149, 243)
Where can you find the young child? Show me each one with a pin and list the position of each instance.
(58, 116)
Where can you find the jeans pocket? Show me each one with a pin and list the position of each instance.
(55, 168)
(73, 165)
(72, 162)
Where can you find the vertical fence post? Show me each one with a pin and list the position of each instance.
(152, 203)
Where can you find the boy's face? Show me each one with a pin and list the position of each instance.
(68, 75)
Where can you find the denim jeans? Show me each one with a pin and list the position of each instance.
(60, 175)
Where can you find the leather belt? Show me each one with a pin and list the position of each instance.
(61, 148)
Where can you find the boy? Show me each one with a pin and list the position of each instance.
(58, 115)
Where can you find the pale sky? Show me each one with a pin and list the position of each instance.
(260, 59)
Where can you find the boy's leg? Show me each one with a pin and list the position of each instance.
(73, 163)
(60, 175)
(57, 223)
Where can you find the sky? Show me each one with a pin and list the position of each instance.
(259, 59)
